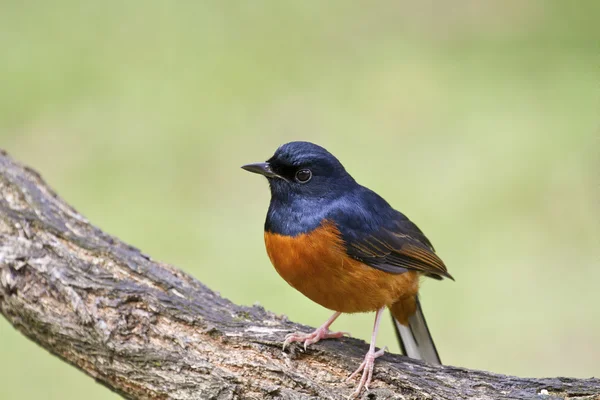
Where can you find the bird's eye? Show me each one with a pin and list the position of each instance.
(303, 175)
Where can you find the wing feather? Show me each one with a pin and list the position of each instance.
(397, 252)
(383, 238)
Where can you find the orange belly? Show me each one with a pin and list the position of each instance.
(316, 264)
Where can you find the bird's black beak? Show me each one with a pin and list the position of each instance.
(262, 168)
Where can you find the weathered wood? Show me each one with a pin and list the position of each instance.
(146, 330)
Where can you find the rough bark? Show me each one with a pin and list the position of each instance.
(147, 330)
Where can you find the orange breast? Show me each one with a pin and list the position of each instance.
(316, 264)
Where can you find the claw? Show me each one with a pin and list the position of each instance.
(311, 338)
(321, 332)
(367, 367)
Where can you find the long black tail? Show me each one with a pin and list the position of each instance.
(415, 338)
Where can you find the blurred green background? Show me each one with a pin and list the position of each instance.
(479, 121)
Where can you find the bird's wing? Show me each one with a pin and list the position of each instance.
(396, 247)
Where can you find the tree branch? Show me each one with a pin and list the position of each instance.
(147, 330)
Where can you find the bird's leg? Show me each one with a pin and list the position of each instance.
(368, 364)
(321, 332)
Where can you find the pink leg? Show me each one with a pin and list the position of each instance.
(321, 332)
(369, 363)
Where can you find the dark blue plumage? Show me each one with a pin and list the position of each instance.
(372, 230)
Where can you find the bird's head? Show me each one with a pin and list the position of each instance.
(305, 170)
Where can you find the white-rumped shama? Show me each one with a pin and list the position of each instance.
(344, 247)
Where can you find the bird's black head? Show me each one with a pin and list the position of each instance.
(303, 170)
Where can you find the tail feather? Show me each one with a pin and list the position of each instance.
(415, 338)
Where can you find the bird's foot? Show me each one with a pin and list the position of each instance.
(367, 371)
(310, 338)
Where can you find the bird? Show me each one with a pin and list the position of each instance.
(345, 248)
